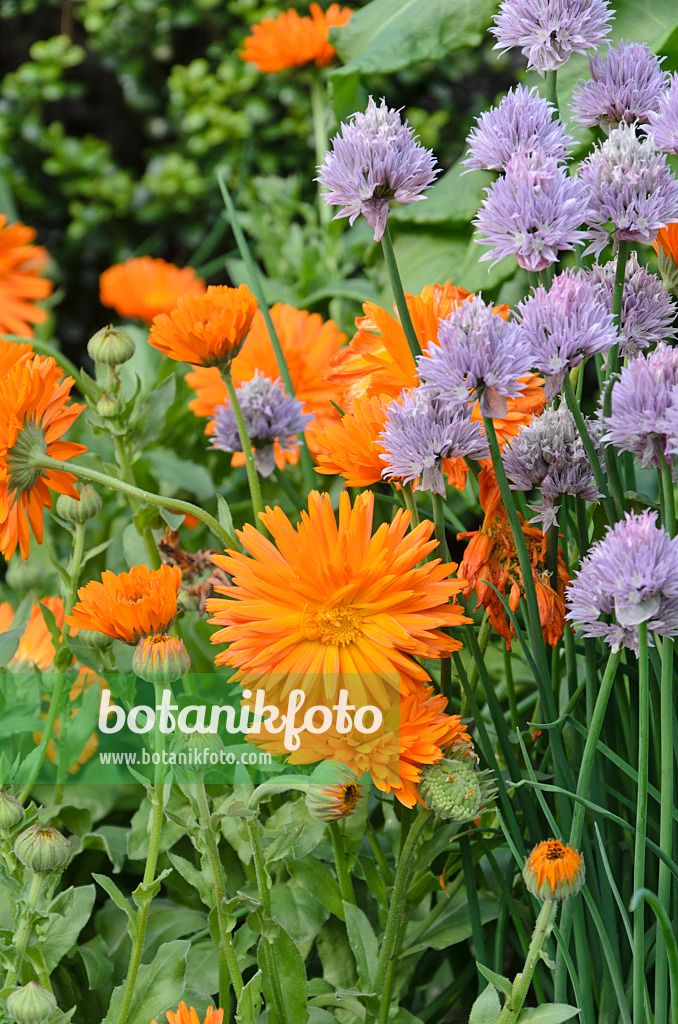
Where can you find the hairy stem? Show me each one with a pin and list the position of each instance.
(250, 468)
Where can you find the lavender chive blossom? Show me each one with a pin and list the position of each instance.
(533, 213)
(422, 431)
(565, 325)
(664, 122)
(629, 184)
(270, 415)
(647, 312)
(625, 86)
(375, 159)
(629, 577)
(641, 399)
(548, 33)
(478, 356)
(522, 122)
(549, 454)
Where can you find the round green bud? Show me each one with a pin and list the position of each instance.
(42, 848)
(454, 790)
(160, 658)
(29, 574)
(94, 640)
(11, 811)
(74, 511)
(111, 346)
(107, 407)
(668, 270)
(31, 1004)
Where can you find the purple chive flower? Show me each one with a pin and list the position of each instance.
(270, 415)
(664, 122)
(478, 356)
(629, 184)
(565, 325)
(647, 312)
(549, 454)
(533, 212)
(625, 86)
(641, 398)
(628, 577)
(375, 159)
(549, 31)
(421, 432)
(521, 123)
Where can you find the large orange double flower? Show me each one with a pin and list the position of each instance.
(291, 39)
(21, 281)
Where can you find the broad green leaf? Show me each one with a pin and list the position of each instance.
(387, 35)
(249, 1003)
(120, 900)
(454, 199)
(318, 879)
(180, 474)
(486, 1008)
(69, 913)
(292, 979)
(364, 944)
(554, 1013)
(97, 962)
(159, 986)
(298, 911)
(427, 257)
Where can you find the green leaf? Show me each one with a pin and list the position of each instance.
(364, 944)
(196, 878)
(426, 257)
(120, 900)
(388, 35)
(486, 1008)
(454, 199)
(293, 980)
(68, 915)
(498, 980)
(452, 926)
(9, 641)
(298, 911)
(224, 514)
(159, 986)
(319, 880)
(180, 474)
(249, 1003)
(97, 962)
(133, 546)
(552, 1013)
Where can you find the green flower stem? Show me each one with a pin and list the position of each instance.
(641, 825)
(229, 971)
(340, 863)
(552, 88)
(444, 553)
(521, 985)
(552, 555)
(388, 951)
(583, 784)
(666, 496)
(258, 292)
(160, 501)
(398, 293)
(318, 111)
(270, 953)
(611, 458)
(74, 568)
(410, 504)
(251, 469)
(23, 933)
(48, 348)
(127, 474)
(157, 815)
(665, 826)
(612, 511)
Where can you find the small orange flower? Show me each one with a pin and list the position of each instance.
(351, 447)
(334, 792)
(130, 605)
(144, 287)
(667, 241)
(329, 606)
(491, 555)
(206, 329)
(21, 264)
(309, 344)
(554, 871)
(291, 40)
(33, 417)
(186, 1016)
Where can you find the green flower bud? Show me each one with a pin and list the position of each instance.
(334, 791)
(11, 811)
(160, 658)
(42, 848)
(29, 574)
(454, 790)
(74, 511)
(31, 1004)
(111, 346)
(94, 640)
(107, 407)
(669, 271)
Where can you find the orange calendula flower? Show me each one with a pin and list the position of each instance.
(309, 344)
(12, 352)
(35, 647)
(129, 605)
(34, 415)
(208, 329)
(21, 283)
(351, 446)
(667, 241)
(334, 792)
(328, 606)
(184, 1015)
(554, 871)
(491, 555)
(144, 287)
(291, 39)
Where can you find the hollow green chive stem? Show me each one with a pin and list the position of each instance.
(665, 825)
(399, 293)
(612, 510)
(641, 825)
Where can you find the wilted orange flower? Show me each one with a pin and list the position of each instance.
(21, 264)
(186, 1016)
(553, 870)
(33, 417)
(205, 329)
(328, 606)
(129, 605)
(291, 40)
(144, 287)
(309, 343)
(667, 240)
(491, 555)
(12, 352)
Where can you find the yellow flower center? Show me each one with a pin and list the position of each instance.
(340, 626)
